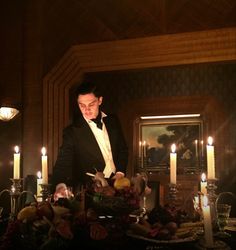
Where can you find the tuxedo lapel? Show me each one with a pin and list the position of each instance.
(87, 139)
(110, 130)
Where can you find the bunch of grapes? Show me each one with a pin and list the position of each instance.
(160, 214)
(131, 198)
(167, 213)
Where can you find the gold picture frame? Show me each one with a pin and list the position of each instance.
(156, 137)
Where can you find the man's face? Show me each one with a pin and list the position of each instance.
(89, 105)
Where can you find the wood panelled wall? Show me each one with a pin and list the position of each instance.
(208, 89)
(11, 82)
(179, 49)
(130, 70)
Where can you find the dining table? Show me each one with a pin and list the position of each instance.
(129, 240)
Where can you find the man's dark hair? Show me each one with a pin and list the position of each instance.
(87, 88)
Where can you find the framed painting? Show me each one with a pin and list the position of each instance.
(156, 137)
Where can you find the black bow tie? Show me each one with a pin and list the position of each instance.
(98, 121)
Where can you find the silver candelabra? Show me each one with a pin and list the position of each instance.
(16, 195)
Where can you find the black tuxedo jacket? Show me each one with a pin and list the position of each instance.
(80, 152)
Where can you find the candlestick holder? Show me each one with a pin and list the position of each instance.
(45, 191)
(16, 196)
(173, 197)
(211, 192)
(15, 193)
(142, 164)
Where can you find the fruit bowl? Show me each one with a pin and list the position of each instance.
(122, 202)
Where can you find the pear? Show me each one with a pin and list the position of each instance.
(28, 213)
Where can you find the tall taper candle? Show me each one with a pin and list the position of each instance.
(16, 167)
(196, 149)
(202, 150)
(144, 149)
(207, 223)
(210, 159)
(44, 166)
(173, 165)
(140, 149)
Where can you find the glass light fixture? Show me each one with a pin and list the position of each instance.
(8, 113)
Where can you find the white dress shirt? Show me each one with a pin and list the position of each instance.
(103, 141)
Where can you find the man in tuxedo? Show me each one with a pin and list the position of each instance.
(93, 142)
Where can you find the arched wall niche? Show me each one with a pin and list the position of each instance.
(168, 50)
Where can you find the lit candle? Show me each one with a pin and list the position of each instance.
(207, 223)
(202, 151)
(140, 149)
(203, 184)
(173, 164)
(196, 148)
(210, 159)
(144, 149)
(16, 167)
(39, 182)
(44, 166)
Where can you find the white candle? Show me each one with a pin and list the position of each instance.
(16, 167)
(173, 164)
(210, 159)
(203, 184)
(140, 149)
(144, 149)
(44, 166)
(207, 223)
(202, 151)
(39, 182)
(196, 148)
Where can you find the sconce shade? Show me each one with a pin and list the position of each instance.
(7, 113)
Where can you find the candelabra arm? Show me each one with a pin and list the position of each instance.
(3, 191)
(27, 192)
(16, 196)
(224, 193)
(45, 191)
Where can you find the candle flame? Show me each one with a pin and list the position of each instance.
(196, 141)
(202, 142)
(203, 177)
(210, 140)
(39, 175)
(144, 143)
(173, 148)
(140, 143)
(43, 151)
(17, 149)
(205, 201)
